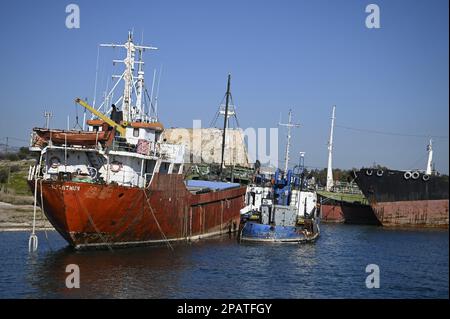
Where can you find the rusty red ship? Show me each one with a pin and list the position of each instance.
(119, 182)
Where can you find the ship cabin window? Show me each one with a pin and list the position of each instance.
(95, 128)
(164, 168)
(136, 132)
(149, 166)
(176, 168)
(251, 198)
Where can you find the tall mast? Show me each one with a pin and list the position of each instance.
(132, 83)
(430, 158)
(128, 78)
(140, 88)
(225, 122)
(330, 154)
(289, 125)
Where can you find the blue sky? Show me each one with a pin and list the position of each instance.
(304, 55)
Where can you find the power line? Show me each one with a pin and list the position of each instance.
(391, 133)
(13, 138)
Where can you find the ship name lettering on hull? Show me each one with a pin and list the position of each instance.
(75, 188)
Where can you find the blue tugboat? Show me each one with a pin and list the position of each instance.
(281, 209)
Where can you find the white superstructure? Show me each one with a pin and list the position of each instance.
(130, 158)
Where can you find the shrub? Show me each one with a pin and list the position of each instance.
(14, 168)
(12, 157)
(3, 175)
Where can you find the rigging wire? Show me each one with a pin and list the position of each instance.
(157, 91)
(391, 133)
(96, 77)
(235, 113)
(421, 159)
(216, 116)
(13, 138)
(151, 102)
(77, 123)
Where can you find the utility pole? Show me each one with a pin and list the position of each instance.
(289, 125)
(9, 178)
(330, 154)
(225, 122)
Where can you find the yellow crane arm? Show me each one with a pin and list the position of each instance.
(102, 116)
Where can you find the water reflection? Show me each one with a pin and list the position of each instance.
(145, 272)
(414, 264)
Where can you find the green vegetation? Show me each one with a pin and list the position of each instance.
(341, 175)
(21, 154)
(351, 198)
(13, 176)
(320, 175)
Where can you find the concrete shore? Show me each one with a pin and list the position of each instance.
(20, 217)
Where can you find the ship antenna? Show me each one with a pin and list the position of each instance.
(130, 113)
(430, 158)
(289, 125)
(225, 122)
(47, 116)
(330, 154)
(151, 92)
(157, 92)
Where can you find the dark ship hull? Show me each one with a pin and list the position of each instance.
(342, 211)
(404, 198)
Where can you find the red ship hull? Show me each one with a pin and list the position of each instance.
(98, 215)
(332, 213)
(420, 213)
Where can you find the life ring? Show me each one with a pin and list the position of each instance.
(55, 162)
(415, 175)
(92, 172)
(369, 172)
(116, 166)
(425, 177)
(380, 173)
(407, 175)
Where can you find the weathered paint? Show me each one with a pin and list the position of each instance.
(401, 201)
(424, 213)
(98, 214)
(349, 213)
(332, 214)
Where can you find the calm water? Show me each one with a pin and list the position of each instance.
(413, 264)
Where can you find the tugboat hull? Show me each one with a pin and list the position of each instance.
(256, 232)
(99, 215)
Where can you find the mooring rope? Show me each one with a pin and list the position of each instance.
(156, 221)
(42, 216)
(33, 240)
